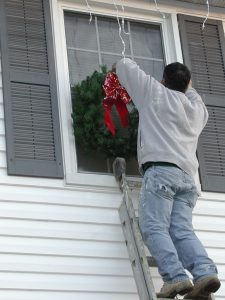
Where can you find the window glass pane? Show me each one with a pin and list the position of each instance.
(154, 68)
(109, 36)
(146, 40)
(94, 162)
(81, 64)
(79, 33)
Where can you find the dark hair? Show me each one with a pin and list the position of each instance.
(177, 77)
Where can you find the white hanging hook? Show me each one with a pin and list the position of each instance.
(158, 10)
(120, 29)
(89, 9)
(207, 16)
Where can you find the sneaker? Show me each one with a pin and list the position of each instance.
(170, 290)
(203, 288)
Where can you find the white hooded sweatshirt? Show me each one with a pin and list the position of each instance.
(170, 122)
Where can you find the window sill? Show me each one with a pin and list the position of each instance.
(100, 181)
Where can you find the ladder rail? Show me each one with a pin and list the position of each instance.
(134, 255)
(133, 236)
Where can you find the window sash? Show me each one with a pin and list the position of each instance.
(99, 49)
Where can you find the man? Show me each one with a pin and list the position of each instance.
(171, 118)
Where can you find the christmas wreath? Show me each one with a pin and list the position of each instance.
(89, 124)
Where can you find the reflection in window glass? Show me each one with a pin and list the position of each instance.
(146, 41)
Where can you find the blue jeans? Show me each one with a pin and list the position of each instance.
(165, 217)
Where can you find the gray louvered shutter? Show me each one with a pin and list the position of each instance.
(29, 87)
(204, 53)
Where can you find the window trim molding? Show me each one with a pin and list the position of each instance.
(172, 52)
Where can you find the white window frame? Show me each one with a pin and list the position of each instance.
(172, 52)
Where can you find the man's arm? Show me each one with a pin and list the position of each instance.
(196, 99)
(134, 80)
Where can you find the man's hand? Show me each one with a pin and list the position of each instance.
(114, 67)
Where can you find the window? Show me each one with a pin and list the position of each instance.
(91, 45)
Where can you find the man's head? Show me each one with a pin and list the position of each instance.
(176, 77)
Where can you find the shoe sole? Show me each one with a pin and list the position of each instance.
(185, 291)
(181, 292)
(204, 293)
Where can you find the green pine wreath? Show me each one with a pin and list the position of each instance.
(90, 130)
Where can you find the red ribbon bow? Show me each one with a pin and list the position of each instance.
(118, 96)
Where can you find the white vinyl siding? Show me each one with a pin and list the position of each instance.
(60, 242)
(209, 224)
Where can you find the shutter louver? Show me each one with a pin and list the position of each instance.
(206, 58)
(32, 121)
(29, 86)
(203, 52)
(27, 36)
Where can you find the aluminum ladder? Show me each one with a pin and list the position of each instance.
(141, 264)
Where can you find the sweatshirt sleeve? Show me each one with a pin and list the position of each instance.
(197, 101)
(134, 80)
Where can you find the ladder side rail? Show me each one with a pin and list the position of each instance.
(134, 255)
(138, 240)
(139, 263)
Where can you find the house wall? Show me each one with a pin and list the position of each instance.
(58, 241)
(63, 240)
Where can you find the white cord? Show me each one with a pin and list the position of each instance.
(123, 22)
(89, 9)
(207, 16)
(120, 29)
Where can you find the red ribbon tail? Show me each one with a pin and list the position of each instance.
(123, 112)
(109, 123)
